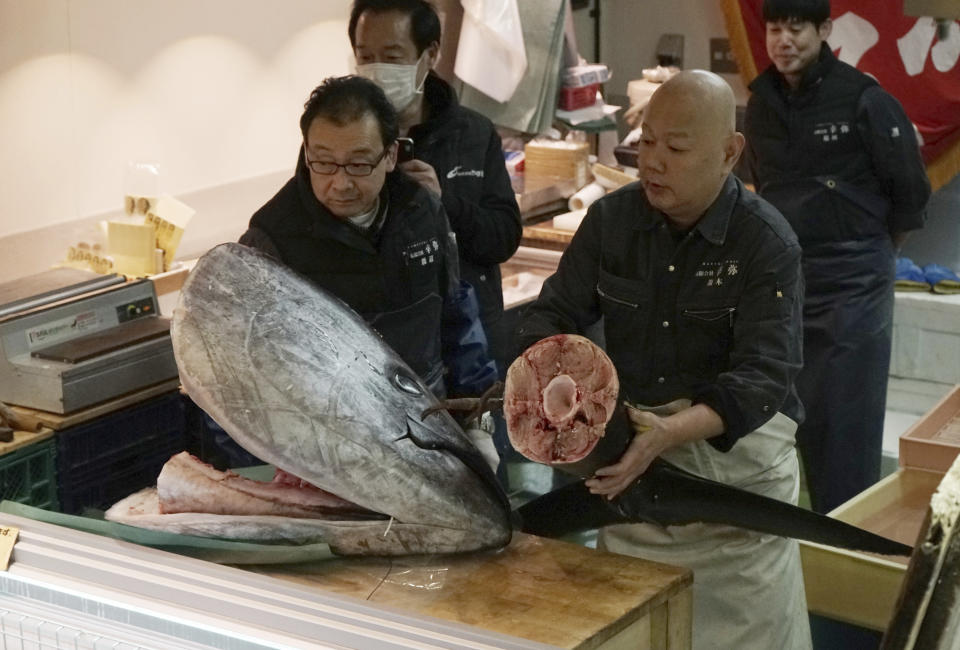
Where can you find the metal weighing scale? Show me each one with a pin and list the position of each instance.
(71, 338)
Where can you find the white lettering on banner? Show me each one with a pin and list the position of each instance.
(916, 44)
(853, 36)
(946, 52)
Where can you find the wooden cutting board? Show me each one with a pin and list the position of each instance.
(23, 439)
(538, 589)
(544, 235)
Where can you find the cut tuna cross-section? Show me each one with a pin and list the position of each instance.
(559, 395)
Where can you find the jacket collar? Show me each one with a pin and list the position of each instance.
(440, 101)
(815, 73)
(714, 223)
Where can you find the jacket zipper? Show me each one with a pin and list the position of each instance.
(604, 294)
(699, 313)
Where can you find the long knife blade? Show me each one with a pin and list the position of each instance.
(668, 496)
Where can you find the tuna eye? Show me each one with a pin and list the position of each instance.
(406, 383)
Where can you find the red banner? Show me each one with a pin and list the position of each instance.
(902, 52)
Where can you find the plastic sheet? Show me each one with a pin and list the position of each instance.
(212, 550)
(491, 55)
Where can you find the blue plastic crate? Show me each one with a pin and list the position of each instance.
(115, 436)
(98, 489)
(28, 476)
(102, 461)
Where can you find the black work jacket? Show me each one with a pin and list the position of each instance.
(712, 315)
(465, 150)
(838, 157)
(396, 278)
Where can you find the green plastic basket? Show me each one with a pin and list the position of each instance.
(29, 476)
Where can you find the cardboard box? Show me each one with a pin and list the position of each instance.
(934, 441)
(862, 588)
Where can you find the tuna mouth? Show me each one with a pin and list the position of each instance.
(339, 506)
(187, 484)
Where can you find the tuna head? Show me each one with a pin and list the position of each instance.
(301, 381)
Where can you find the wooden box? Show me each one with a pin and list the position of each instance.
(862, 588)
(547, 162)
(934, 441)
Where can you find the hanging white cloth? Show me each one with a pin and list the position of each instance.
(490, 55)
(747, 587)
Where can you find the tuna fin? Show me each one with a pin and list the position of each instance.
(668, 496)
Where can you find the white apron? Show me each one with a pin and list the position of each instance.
(747, 586)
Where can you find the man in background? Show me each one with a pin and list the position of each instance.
(457, 152)
(838, 156)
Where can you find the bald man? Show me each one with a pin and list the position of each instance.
(699, 287)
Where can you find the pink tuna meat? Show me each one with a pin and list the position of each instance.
(186, 484)
(559, 395)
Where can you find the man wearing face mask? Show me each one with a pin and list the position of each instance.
(457, 151)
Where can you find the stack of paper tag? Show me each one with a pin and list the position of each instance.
(169, 219)
(132, 247)
(87, 257)
(144, 247)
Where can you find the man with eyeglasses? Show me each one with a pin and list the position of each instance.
(370, 235)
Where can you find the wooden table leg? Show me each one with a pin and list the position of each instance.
(668, 626)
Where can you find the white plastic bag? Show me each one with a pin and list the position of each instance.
(491, 56)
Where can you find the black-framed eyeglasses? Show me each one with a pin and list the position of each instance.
(327, 168)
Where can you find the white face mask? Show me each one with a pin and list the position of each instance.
(397, 80)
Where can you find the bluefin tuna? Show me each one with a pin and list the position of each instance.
(301, 381)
